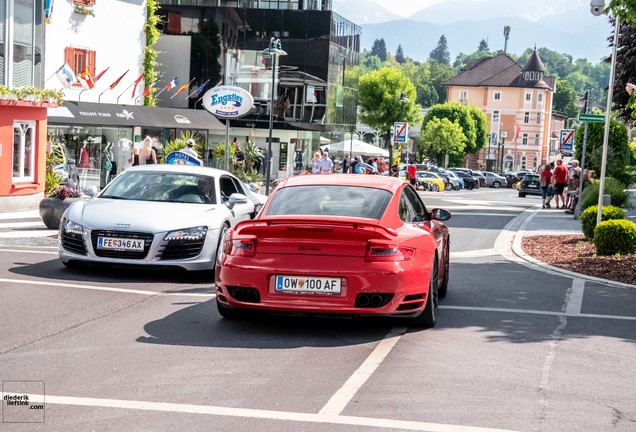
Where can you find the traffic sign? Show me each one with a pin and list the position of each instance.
(592, 118)
(566, 140)
(400, 132)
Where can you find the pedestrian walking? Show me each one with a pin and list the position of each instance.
(546, 183)
(560, 180)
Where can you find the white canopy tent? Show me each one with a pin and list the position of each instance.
(357, 147)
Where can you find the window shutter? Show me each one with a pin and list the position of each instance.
(69, 57)
(91, 62)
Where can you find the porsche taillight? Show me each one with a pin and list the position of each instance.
(388, 252)
(245, 247)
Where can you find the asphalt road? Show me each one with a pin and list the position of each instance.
(516, 348)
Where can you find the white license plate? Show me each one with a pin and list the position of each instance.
(123, 244)
(314, 285)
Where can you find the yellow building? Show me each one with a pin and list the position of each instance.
(518, 105)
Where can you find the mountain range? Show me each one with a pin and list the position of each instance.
(565, 26)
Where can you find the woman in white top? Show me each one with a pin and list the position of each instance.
(315, 164)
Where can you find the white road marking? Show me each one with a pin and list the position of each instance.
(30, 251)
(538, 312)
(28, 234)
(343, 396)
(456, 212)
(481, 207)
(27, 214)
(102, 288)
(476, 253)
(391, 424)
(34, 224)
(574, 301)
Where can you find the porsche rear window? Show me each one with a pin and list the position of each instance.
(352, 201)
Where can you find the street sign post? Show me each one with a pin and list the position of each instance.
(566, 140)
(592, 118)
(400, 132)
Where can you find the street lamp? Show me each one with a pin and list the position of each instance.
(595, 7)
(273, 50)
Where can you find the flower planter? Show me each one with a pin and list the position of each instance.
(52, 209)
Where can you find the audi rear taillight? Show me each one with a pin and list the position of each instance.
(245, 247)
(388, 253)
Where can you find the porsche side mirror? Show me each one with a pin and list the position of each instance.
(440, 214)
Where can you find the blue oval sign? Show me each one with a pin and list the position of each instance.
(228, 101)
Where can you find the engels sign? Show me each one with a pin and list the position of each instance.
(228, 101)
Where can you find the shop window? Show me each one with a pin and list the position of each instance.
(78, 59)
(23, 151)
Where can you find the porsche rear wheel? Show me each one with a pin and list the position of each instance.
(428, 317)
(443, 289)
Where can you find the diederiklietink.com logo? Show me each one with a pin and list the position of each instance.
(22, 402)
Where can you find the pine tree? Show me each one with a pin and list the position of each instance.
(483, 46)
(625, 69)
(399, 55)
(441, 54)
(379, 49)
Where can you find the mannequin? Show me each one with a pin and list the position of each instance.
(84, 161)
(106, 165)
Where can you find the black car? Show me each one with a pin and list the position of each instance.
(511, 178)
(530, 185)
(469, 181)
(470, 172)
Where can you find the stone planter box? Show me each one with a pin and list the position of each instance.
(52, 209)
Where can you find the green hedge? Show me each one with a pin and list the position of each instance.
(588, 218)
(613, 187)
(615, 237)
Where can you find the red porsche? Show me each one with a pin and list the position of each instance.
(337, 244)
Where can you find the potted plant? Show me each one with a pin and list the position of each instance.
(52, 207)
(56, 197)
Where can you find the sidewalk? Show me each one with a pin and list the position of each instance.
(23, 224)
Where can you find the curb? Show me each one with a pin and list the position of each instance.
(520, 256)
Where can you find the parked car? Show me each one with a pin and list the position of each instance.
(470, 172)
(511, 179)
(429, 181)
(530, 185)
(169, 216)
(66, 167)
(339, 244)
(455, 181)
(469, 181)
(495, 180)
(482, 178)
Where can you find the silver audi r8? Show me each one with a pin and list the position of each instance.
(155, 215)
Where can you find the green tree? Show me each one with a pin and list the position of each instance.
(379, 101)
(625, 70)
(579, 82)
(565, 99)
(442, 137)
(624, 9)
(618, 151)
(440, 73)
(483, 46)
(481, 128)
(456, 112)
(371, 63)
(440, 53)
(379, 49)
(399, 55)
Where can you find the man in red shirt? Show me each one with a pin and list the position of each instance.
(411, 174)
(560, 179)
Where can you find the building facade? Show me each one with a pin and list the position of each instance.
(311, 89)
(517, 102)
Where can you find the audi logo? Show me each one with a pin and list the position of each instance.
(122, 226)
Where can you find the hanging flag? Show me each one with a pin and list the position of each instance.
(172, 84)
(198, 90)
(66, 75)
(182, 88)
(135, 84)
(48, 11)
(113, 85)
(518, 130)
(99, 75)
(146, 91)
(85, 79)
